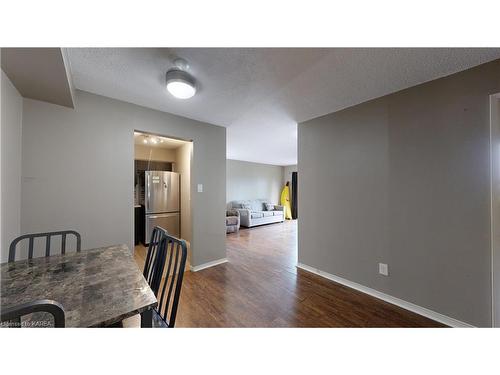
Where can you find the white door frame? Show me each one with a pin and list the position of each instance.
(495, 207)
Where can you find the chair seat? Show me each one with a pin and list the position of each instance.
(135, 321)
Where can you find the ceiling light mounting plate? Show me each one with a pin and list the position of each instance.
(181, 64)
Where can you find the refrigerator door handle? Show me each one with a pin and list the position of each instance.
(167, 214)
(146, 191)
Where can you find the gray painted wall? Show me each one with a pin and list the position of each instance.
(495, 204)
(11, 130)
(246, 180)
(78, 171)
(405, 180)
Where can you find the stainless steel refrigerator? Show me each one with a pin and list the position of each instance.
(162, 202)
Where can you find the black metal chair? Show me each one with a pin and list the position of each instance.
(11, 317)
(151, 271)
(172, 263)
(48, 236)
(164, 272)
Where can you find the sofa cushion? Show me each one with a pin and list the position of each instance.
(257, 214)
(269, 206)
(257, 205)
(237, 204)
(231, 220)
(278, 213)
(267, 213)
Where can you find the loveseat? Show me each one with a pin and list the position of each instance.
(257, 212)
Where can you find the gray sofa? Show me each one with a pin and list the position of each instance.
(254, 212)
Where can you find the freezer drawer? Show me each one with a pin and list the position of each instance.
(169, 221)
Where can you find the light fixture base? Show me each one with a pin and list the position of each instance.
(181, 64)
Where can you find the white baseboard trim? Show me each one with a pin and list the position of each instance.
(387, 298)
(208, 264)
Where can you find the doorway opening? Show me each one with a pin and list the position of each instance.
(162, 189)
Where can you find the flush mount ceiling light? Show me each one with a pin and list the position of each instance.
(149, 139)
(180, 83)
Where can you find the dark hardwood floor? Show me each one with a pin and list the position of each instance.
(261, 287)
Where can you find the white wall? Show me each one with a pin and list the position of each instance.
(78, 171)
(11, 131)
(246, 180)
(405, 180)
(287, 174)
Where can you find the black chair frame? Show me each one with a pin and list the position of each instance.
(164, 271)
(48, 236)
(15, 313)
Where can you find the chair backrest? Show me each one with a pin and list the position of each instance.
(13, 315)
(164, 271)
(152, 272)
(48, 236)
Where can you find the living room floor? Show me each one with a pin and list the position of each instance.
(260, 286)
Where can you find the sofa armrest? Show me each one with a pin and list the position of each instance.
(245, 216)
(232, 212)
(278, 207)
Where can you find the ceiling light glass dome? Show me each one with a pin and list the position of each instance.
(180, 84)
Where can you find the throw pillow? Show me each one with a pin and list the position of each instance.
(269, 206)
(246, 206)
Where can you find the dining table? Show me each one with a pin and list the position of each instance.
(97, 287)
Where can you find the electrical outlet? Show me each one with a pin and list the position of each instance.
(383, 269)
(200, 188)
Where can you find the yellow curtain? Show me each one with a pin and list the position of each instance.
(285, 201)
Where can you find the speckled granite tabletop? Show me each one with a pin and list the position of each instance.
(96, 287)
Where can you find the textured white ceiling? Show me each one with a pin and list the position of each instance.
(260, 94)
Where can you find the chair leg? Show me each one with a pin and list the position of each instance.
(147, 319)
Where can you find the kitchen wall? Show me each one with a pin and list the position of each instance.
(405, 180)
(11, 130)
(246, 180)
(154, 153)
(73, 178)
(184, 155)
